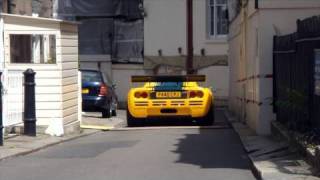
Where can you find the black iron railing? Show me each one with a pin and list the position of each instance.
(296, 101)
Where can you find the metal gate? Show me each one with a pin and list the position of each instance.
(296, 72)
(13, 97)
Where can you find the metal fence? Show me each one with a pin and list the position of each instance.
(297, 76)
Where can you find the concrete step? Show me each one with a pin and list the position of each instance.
(19, 129)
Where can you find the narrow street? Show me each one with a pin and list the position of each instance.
(150, 154)
(159, 89)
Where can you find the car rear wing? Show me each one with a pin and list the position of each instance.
(186, 78)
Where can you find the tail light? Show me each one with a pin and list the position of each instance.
(137, 94)
(144, 94)
(200, 94)
(192, 94)
(141, 95)
(196, 94)
(103, 90)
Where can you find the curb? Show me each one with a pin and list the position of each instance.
(104, 127)
(310, 155)
(47, 145)
(255, 171)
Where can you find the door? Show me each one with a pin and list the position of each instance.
(13, 97)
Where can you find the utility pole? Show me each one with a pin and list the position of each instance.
(189, 60)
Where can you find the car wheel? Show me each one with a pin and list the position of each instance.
(106, 113)
(213, 115)
(114, 113)
(114, 106)
(209, 119)
(132, 121)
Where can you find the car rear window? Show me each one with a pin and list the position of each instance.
(91, 76)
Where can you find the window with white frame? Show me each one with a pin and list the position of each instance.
(217, 18)
(33, 48)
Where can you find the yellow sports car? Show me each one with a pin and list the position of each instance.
(170, 96)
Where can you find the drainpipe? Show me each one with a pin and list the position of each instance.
(244, 61)
(189, 61)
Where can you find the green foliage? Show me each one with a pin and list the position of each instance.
(295, 101)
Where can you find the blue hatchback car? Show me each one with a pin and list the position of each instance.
(98, 93)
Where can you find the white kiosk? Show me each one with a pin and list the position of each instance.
(50, 48)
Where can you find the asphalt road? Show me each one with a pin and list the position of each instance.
(156, 154)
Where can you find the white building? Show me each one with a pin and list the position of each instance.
(251, 53)
(165, 46)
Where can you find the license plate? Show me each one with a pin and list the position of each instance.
(168, 95)
(85, 91)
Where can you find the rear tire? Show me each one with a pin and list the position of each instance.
(209, 119)
(114, 106)
(114, 113)
(132, 121)
(106, 113)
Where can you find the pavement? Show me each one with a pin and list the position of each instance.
(21, 145)
(171, 153)
(94, 120)
(18, 145)
(272, 159)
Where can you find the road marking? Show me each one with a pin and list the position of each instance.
(97, 127)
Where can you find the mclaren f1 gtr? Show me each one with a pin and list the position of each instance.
(170, 97)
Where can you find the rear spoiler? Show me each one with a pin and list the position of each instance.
(187, 78)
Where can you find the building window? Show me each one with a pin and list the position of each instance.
(32, 48)
(217, 18)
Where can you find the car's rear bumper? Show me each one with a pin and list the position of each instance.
(94, 102)
(170, 108)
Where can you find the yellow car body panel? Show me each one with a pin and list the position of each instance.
(153, 107)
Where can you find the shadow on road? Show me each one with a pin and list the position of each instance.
(218, 148)
(86, 150)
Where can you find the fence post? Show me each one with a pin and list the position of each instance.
(274, 69)
(1, 123)
(29, 103)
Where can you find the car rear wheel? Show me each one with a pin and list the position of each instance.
(114, 106)
(209, 119)
(106, 113)
(114, 113)
(132, 121)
